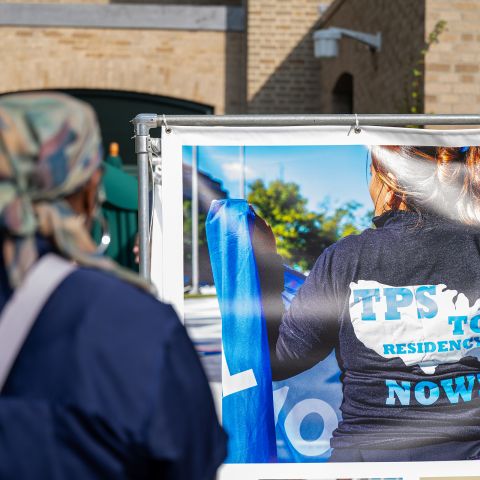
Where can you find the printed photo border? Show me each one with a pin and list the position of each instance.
(167, 261)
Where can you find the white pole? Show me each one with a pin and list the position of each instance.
(195, 273)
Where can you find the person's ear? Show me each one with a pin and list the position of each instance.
(390, 198)
(84, 201)
(90, 194)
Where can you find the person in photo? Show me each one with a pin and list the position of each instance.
(400, 305)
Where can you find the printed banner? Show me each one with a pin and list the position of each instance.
(338, 295)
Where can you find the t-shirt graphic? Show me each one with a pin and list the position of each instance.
(424, 325)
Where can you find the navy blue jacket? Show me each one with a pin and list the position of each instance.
(107, 385)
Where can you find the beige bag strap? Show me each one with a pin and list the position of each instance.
(21, 311)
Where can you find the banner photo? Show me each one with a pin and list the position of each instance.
(333, 293)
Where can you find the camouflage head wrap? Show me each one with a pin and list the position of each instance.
(49, 148)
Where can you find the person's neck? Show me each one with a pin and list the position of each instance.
(387, 208)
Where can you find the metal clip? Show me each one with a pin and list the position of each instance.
(157, 172)
(165, 124)
(155, 146)
(357, 128)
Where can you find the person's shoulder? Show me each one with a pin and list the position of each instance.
(338, 261)
(107, 298)
(102, 283)
(352, 244)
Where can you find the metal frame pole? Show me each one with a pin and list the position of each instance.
(142, 124)
(309, 120)
(195, 270)
(143, 214)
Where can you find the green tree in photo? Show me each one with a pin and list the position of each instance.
(344, 220)
(301, 234)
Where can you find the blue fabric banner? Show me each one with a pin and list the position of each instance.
(247, 406)
(287, 421)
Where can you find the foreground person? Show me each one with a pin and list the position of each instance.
(107, 383)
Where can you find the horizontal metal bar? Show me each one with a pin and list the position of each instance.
(308, 120)
(164, 17)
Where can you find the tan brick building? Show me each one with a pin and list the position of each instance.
(262, 63)
(248, 56)
(360, 79)
(449, 73)
(452, 68)
(187, 63)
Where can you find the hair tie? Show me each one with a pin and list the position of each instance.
(463, 149)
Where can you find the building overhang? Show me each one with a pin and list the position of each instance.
(155, 17)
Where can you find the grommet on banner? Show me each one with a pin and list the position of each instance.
(165, 124)
(357, 128)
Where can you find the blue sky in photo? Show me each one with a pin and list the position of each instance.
(337, 173)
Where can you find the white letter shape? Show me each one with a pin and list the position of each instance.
(237, 382)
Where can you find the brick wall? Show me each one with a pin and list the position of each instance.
(282, 73)
(190, 65)
(271, 68)
(452, 67)
(233, 3)
(381, 81)
(155, 2)
(56, 1)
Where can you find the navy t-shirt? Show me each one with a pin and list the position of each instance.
(107, 385)
(397, 303)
